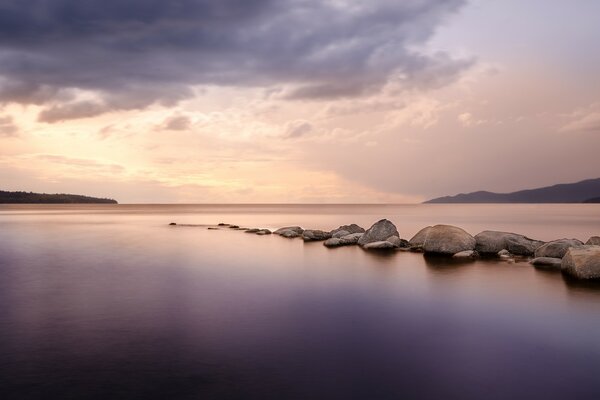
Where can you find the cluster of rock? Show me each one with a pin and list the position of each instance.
(571, 256)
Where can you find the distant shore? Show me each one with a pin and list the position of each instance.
(44, 198)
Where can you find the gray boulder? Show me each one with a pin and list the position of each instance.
(396, 241)
(347, 240)
(296, 229)
(448, 240)
(417, 241)
(594, 240)
(339, 234)
(312, 235)
(556, 248)
(466, 254)
(491, 242)
(380, 245)
(582, 262)
(546, 262)
(252, 230)
(289, 234)
(378, 232)
(352, 228)
(263, 232)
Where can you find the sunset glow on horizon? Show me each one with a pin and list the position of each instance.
(297, 101)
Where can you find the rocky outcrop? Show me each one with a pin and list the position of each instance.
(313, 235)
(347, 240)
(491, 242)
(339, 234)
(352, 228)
(594, 240)
(557, 248)
(289, 232)
(582, 262)
(447, 240)
(378, 232)
(546, 262)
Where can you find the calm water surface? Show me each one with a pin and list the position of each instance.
(108, 302)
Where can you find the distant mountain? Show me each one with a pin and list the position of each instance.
(585, 191)
(43, 198)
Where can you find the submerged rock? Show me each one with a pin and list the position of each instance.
(223, 224)
(172, 224)
(594, 240)
(466, 254)
(263, 232)
(212, 228)
(313, 235)
(447, 240)
(492, 242)
(546, 262)
(379, 231)
(252, 230)
(396, 241)
(352, 228)
(234, 226)
(582, 262)
(502, 252)
(289, 234)
(557, 248)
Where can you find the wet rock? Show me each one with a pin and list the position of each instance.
(339, 234)
(212, 228)
(378, 232)
(223, 224)
(380, 245)
(172, 224)
(546, 262)
(234, 226)
(594, 240)
(289, 234)
(347, 240)
(396, 241)
(582, 262)
(447, 240)
(252, 230)
(313, 235)
(263, 232)
(556, 248)
(296, 229)
(491, 242)
(352, 228)
(502, 252)
(466, 254)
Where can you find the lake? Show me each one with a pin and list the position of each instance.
(109, 302)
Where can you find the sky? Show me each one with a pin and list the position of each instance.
(297, 101)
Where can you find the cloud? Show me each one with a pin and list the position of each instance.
(584, 120)
(136, 53)
(177, 123)
(298, 129)
(85, 164)
(8, 127)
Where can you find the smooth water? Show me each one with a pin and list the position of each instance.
(109, 302)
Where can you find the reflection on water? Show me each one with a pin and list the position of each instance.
(109, 302)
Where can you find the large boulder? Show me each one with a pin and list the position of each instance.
(289, 234)
(556, 248)
(352, 228)
(417, 241)
(378, 232)
(396, 241)
(546, 262)
(491, 242)
(448, 240)
(594, 240)
(339, 234)
(296, 229)
(347, 240)
(313, 235)
(582, 262)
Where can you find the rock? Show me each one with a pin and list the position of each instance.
(212, 228)
(546, 262)
(556, 248)
(339, 234)
(252, 230)
(352, 228)
(417, 241)
(172, 224)
(312, 235)
(447, 240)
(289, 234)
(502, 252)
(347, 240)
(396, 241)
(582, 262)
(296, 229)
(222, 224)
(491, 242)
(234, 226)
(594, 240)
(263, 232)
(380, 245)
(378, 232)
(466, 254)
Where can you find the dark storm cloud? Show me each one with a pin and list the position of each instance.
(137, 52)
